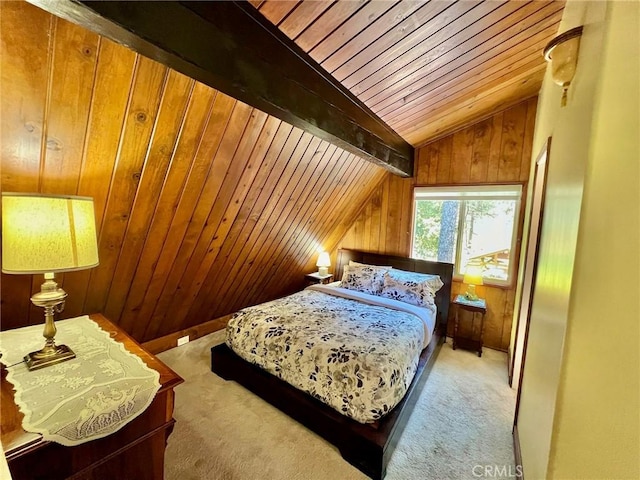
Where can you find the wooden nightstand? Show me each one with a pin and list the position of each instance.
(134, 451)
(477, 306)
(315, 278)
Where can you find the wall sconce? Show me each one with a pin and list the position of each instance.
(562, 53)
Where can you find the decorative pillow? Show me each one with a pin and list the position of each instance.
(410, 287)
(356, 264)
(366, 279)
(352, 264)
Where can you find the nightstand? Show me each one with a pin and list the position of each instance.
(315, 278)
(118, 455)
(473, 307)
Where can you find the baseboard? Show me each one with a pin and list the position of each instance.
(518, 453)
(169, 341)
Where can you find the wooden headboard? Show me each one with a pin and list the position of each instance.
(444, 270)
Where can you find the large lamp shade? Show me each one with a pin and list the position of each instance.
(47, 233)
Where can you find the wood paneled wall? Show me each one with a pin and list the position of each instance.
(204, 205)
(385, 222)
(496, 150)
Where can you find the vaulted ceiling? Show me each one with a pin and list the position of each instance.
(425, 67)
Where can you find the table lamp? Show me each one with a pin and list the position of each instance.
(323, 263)
(47, 234)
(472, 277)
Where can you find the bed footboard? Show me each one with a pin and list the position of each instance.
(366, 447)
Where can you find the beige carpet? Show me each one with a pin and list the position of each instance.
(461, 423)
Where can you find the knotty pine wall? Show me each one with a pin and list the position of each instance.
(496, 150)
(204, 205)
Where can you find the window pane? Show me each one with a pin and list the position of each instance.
(436, 230)
(467, 225)
(487, 234)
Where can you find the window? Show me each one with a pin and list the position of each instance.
(466, 226)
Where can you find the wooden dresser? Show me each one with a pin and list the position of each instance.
(135, 452)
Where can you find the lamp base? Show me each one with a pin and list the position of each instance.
(323, 271)
(470, 294)
(48, 356)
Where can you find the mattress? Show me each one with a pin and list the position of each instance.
(355, 352)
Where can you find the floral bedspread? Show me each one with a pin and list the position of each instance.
(356, 357)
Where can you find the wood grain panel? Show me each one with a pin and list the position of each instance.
(429, 68)
(230, 256)
(327, 23)
(484, 104)
(276, 11)
(299, 18)
(245, 163)
(159, 290)
(360, 20)
(497, 46)
(430, 18)
(203, 204)
(392, 198)
(182, 164)
(197, 220)
(497, 149)
(73, 68)
(238, 258)
(24, 95)
(461, 156)
(481, 148)
(429, 35)
(140, 118)
(387, 23)
(170, 120)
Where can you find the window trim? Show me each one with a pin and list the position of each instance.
(487, 192)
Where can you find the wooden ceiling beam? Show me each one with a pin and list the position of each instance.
(234, 49)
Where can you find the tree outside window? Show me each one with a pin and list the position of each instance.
(467, 226)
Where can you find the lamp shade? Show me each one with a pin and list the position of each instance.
(473, 276)
(47, 233)
(323, 260)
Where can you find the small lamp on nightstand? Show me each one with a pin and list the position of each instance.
(323, 263)
(48, 234)
(472, 277)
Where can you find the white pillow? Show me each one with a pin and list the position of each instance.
(356, 264)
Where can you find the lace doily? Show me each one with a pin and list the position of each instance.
(89, 397)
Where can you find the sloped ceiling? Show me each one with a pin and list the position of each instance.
(204, 205)
(426, 68)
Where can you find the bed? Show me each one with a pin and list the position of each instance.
(367, 442)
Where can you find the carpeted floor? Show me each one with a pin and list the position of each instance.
(461, 423)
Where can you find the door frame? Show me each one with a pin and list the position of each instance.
(539, 186)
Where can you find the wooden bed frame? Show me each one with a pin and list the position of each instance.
(366, 446)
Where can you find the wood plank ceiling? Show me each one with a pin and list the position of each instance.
(426, 68)
(204, 205)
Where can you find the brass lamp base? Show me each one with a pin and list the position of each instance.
(470, 294)
(48, 356)
(51, 298)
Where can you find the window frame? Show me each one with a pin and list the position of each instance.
(456, 192)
